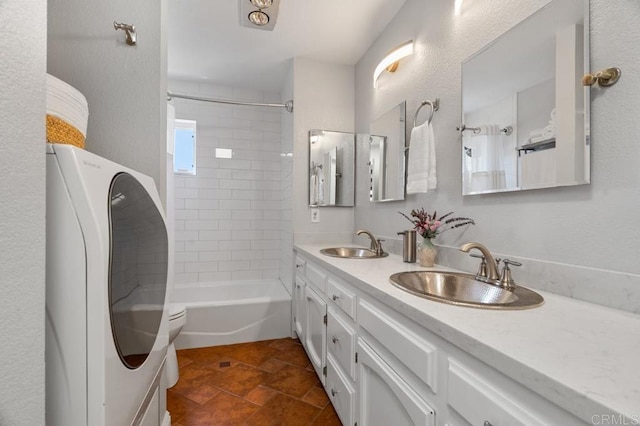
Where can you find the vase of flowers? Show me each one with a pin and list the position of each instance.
(428, 226)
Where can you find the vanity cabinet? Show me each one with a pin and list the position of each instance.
(315, 331)
(384, 397)
(341, 392)
(382, 368)
(299, 313)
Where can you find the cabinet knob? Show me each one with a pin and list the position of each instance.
(487, 423)
(335, 340)
(300, 265)
(335, 297)
(335, 392)
(297, 285)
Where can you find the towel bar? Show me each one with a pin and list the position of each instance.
(435, 106)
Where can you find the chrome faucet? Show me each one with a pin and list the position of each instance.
(491, 264)
(376, 243)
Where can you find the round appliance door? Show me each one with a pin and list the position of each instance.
(137, 271)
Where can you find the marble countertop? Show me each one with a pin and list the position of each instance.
(583, 357)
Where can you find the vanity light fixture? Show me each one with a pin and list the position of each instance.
(457, 8)
(392, 60)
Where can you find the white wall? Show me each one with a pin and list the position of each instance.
(228, 215)
(324, 99)
(125, 86)
(593, 226)
(22, 212)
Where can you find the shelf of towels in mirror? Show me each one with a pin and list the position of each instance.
(537, 146)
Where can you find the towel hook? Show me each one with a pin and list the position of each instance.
(435, 106)
(130, 32)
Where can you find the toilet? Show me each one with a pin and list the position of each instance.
(177, 320)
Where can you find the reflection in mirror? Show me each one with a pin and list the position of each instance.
(524, 109)
(387, 156)
(331, 168)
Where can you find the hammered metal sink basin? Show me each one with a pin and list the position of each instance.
(458, 288)
(352, 253)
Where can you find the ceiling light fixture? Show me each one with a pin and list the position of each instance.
(259, 18)
(457, 8)
(261, 4)
(258, 14)
(391, 61)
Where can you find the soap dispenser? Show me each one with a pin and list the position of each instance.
(408, 245)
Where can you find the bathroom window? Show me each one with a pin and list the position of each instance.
(184, 155)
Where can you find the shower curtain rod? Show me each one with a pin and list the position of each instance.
(287, 105)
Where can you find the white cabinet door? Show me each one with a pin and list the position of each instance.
(386, 399)
(299, 312)
(315, 330)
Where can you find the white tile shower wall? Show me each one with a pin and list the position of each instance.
(228, 216)
(286, 217)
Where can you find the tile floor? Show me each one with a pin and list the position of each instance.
(261, 383)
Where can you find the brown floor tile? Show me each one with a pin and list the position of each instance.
(204, 355)
(193, 376)
(272, 365)
(283, 344)
(260, 395)
(179, 405)
(295, 355)
(223, 409)
(292, 380)
(266, 383)
(284, 410)
(316, 396)
(209, 357)
(327, 417)
(200, 394)
(183, 361)
(239, 379)
(253, 354)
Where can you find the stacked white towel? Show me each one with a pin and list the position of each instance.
(67, 103)
(421, 170)
(546, 133)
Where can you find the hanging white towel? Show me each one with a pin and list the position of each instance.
(421, 170)
(313, 189)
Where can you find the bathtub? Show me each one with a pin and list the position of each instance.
(233, 312)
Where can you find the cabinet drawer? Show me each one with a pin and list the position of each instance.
(480, 403)
(410, 348)
(317, 276)
(384, 398)
(341, 341)
(341, 393)
(300, 266)
(343, 298)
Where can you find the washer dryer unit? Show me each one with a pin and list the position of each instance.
(106, 286)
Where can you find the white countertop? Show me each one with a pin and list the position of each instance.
(582, 357)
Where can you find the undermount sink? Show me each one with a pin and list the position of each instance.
(352, 253)
(458, 288)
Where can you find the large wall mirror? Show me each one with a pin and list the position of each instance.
(387, 156)
(524, 109)
(331, 169)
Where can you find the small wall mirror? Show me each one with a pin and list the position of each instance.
(387, 156)
(525, 111)
(331, 169)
